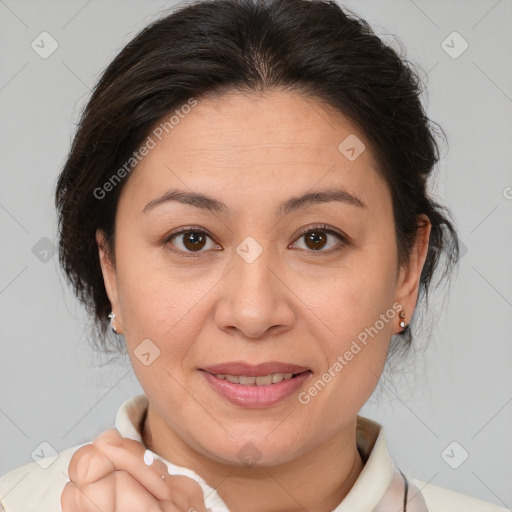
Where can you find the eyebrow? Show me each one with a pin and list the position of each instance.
(206, 202)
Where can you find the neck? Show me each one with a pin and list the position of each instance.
(316, 481)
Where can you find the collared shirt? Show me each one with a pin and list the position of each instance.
(380, 487)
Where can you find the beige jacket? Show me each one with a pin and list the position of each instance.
(380, 487)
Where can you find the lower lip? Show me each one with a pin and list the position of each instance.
(255, 396)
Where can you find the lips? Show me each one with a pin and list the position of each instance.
(258, 395)
(248, 370)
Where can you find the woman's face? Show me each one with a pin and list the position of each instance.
(267, 277)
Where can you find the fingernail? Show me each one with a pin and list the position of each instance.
(148, 457)
(83, 466)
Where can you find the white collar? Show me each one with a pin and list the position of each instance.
(364, 496)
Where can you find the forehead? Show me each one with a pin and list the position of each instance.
(258, 146)
(275, 123)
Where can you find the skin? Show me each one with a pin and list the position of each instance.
(294, 303)
(109, 475)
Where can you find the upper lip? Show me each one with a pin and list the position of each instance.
(250, 370)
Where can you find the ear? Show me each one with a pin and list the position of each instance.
(409, 275)
(108, 270)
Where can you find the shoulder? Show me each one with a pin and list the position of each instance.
(441, 499)
(36, 485)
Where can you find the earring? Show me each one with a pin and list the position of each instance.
(402, 323)
(112, 318)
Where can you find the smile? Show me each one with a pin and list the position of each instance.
(263, 380)
(256, 392)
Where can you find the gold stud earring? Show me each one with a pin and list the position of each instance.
(402, 323)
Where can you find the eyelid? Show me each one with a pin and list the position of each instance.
(187, 229)
(323, 227)
(344, 239)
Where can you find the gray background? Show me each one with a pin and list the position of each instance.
(459, 388)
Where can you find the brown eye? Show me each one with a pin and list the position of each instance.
(193, 240)
(316, 239)
(189, 241)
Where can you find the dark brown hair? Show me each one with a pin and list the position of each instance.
(313, 47)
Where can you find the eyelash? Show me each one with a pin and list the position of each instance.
(344, 239)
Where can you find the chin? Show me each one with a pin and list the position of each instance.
(252, 451)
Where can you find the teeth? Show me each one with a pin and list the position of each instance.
(263, 380)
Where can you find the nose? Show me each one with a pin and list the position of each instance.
(254, 300)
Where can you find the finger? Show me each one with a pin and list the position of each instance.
(169, 506)
(187, 493)
(89, 464)
(67, 498)
(118, 492)
(92, 497)
(131, 456)
(132, 496)
(128, 455)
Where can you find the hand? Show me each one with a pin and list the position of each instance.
(110, 475)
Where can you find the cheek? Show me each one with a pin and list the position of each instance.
(360, 293)
(152, 300)
(362, 323)
(161, 324)
(361, 318)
